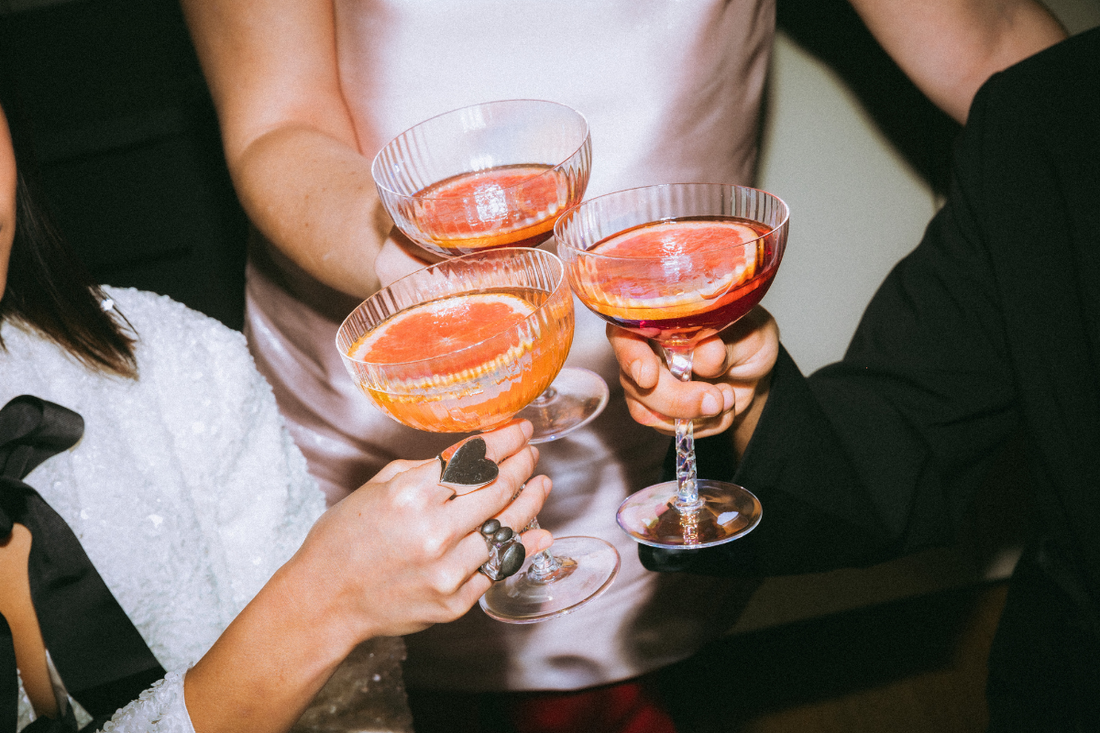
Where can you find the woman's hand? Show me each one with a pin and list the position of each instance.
(400, 554)
(728, 387)
(394, 557)
(399, 257)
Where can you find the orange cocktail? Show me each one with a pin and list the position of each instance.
(465, 344)
(486, 361)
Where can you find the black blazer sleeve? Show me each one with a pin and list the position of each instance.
(979, 334)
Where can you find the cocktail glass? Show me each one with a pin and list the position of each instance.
(677, 263)
(491, 175)
(463, 346)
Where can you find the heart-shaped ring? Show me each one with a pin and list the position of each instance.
(465, 467)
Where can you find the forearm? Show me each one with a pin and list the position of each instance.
(949, 48)
(289, 138)
(276, 655)
(313, 197)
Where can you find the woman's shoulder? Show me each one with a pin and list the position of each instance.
(199, 378)
(193, 451)
(166, 328)
(183, 354)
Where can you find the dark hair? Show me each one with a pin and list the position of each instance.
(49, 290)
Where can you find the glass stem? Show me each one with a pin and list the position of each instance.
(678, 357)
(543, 565)
(548, 395)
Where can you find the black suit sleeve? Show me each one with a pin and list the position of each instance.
(878, 455)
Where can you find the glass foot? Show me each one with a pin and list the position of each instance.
(728, 512)
(581, 568)
(573, 400)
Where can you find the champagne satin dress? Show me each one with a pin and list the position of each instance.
(672, 90)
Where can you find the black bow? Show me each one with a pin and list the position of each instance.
(98, 653)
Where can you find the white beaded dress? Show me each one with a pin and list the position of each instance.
(186, 493)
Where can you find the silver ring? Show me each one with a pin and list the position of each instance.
(506, 552)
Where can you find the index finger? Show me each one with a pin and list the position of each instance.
(635, 356)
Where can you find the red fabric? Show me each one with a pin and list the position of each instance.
(628, 707)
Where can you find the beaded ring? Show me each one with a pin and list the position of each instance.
(506, 552)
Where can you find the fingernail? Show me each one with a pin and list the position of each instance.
(635, 371)
(710, 405)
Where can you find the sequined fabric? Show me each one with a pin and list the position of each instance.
(160, 709)
(186, 493)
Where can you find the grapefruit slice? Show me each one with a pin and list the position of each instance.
(668, 238)
(701, 261)
(480, 184)
(504, 198)
(441, 327)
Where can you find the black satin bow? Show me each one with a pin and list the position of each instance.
(98, 653)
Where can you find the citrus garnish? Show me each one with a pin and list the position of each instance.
(479, 202)
(700, 261)
(440, 328)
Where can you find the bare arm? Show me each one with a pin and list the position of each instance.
(289, 138)
(950, 47)
(390, 559)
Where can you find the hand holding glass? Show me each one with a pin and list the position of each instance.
(462, 346)
(677, 263)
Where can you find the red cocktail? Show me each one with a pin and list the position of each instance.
(717, 269)
(507, 206)
(497, 174)
(677, 263)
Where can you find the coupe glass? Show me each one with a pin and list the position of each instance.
(677, 263)
(481, 382)
(497, 174)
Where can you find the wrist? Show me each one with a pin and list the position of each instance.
(273, 659)
(321, 605)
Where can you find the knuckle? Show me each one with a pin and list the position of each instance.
(431, 548)
(453, 607)
(447, 580)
